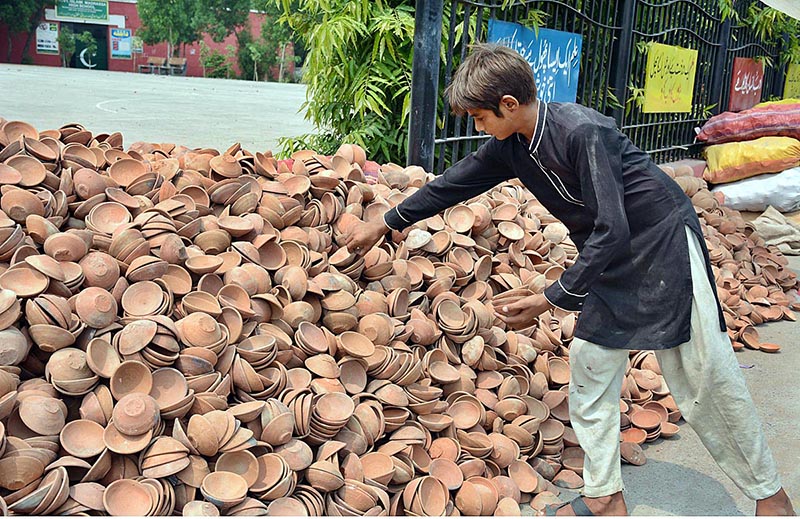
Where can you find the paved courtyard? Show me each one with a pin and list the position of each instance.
(680, 478)
(196, 112)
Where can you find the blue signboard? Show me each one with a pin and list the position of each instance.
(554, 56)
(121, 47)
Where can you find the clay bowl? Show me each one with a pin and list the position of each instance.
(135, 414)
(632, 453)
(524, 475)
(323, 365)
(131, 377)
(108, 217)
(634, 435)
(126, 171)
(19, 471)
(31, 170)
(447, 472)
(102, 358)
(169, 388)
(146, 268)
(669, 429)
(24, 281)
(199, 509)
(19, 204)
(200, 301)
(82, 438)
(224, 489)
(646, 419)
(128, 497)
(430, 498)
(334, 408)
(200, 329)
(9, 175)
(466, 414)
(96, 307)
(444, 373)
(142, 299)
(66, 246)
(135, 336)
(378, 467)
(559, 371)
(243, 463)
(43, 415)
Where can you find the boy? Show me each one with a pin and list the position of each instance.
(642, 280)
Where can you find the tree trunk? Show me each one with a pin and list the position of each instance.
(8, 54)
(34, 23)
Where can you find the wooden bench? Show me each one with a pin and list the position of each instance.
(153, 65)
(176, 66)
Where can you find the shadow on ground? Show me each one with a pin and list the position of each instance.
(690, 492)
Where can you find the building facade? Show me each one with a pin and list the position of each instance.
(114, 25)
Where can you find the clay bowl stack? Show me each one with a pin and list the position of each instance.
(752, 279)
(182, 331)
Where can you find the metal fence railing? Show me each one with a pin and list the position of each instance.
(612, 66)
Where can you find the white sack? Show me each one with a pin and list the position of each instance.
(779, 190)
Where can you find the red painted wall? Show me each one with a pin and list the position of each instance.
(193, 67)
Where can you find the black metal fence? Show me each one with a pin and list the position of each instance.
(612, 68)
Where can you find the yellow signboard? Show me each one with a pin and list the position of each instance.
(792, 88)
(669, 85)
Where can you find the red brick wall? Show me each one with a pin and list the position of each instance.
(193, 67)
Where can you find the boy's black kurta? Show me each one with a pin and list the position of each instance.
(632, 280)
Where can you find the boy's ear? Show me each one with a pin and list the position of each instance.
(509, 102)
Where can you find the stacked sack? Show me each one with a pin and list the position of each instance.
(762, 142)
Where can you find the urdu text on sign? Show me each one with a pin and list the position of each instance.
(554, 57)
(669, 85)
(792, 88)
(747, 82)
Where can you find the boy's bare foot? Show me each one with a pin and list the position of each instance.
(778, 504)
(607, 505)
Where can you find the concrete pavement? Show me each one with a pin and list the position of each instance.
(196, 112)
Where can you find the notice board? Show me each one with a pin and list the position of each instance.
(554, 57)
(669, 83)
(747, 82)
(83, 9)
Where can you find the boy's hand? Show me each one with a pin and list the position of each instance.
(362, 238)
(522, 314)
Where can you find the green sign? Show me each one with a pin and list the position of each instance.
(83, 9)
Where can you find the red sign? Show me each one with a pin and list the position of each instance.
(747, 81)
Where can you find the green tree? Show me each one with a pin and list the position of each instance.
(171, 21)
(66, 44)
(89, 43)
(21, 16)
(219, 18)
(358, 71)
(215, 63)
(262, 54)
(770, 25)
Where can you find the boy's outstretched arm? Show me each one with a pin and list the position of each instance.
(473, 175)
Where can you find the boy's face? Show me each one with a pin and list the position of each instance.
(500, 126)
(488, 122)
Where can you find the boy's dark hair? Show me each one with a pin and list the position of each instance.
(486, 75)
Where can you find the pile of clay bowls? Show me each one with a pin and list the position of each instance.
(751, 277)
(182, 331)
